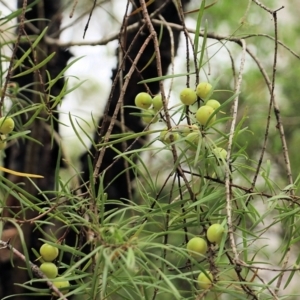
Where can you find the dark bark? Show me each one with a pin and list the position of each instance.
(27, 156)
(115, 183)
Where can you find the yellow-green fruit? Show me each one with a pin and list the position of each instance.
(215, 233)
(157, 102)
(213, 103)
(184, 130)
(203, 114)
(149, 116)
(49, 269)
(205, 282)
(3, 142)
(62, 284)
(188, 96)
(7, 125)
(168, 137)
(219, 153)
(203, 89)
(196, 247)
(143, 100)
(193, 139)
(48, 252)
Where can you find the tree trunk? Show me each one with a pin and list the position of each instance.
(28, 156)
(117, 182)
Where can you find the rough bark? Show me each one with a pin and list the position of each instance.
(27, 156)
(117, 187)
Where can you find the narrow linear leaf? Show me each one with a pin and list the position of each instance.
(26, 54)
(36, 67)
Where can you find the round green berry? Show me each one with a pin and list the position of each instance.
(213, 103)
(203, 89)
(7, 125)
(143, 100)
(205, 281)
(196, 247)
(185, 129)
(219, 153)
(188, 96)
(62, 284)
(149, 116)
(157, 102)
(168, 136)
(48, 252)
(49, 269)
(193, 139)
(215, 233)
(203, 114)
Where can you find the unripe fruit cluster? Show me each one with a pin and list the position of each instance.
(168, 136)
(49, 269)
(191, 134)
(205, 114)
(186, 132)
(149, 105)
(197, 247)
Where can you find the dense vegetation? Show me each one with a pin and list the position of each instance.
(174, 196)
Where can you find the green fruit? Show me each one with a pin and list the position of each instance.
(62, 284)
(3, 142)
(149, 116)
(7, 125)
(168, 136)
(48, 252)
(205, 282)
(143, 100)
(188, 96)
(157, 102)
(203, 114)
(184, 130)
(219, 153)
(193, 139)
(215, 233)
(203, 89)
(196, 247)
(49, 269)
(213, 103)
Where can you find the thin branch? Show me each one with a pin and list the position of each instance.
(114, 36)
(230, 143)
(263, 6)
(89, 19)
(283, 141)
(35, 269)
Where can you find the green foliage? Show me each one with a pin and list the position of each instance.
(138, 251)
